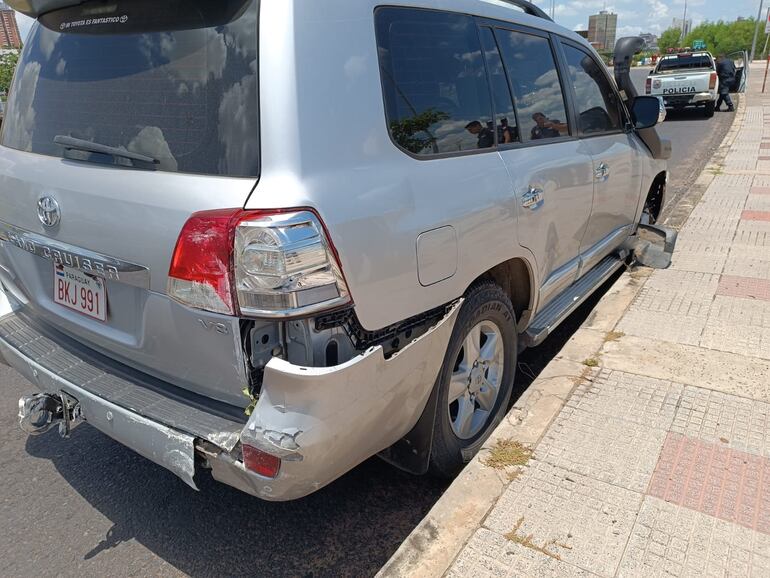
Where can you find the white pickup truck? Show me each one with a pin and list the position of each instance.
(686, 79)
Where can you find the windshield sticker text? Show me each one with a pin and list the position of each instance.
(94, 22)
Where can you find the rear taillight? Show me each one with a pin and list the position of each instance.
(256, 263)
(200, 272)
(713, 81)
(260, 462)
(649, 85)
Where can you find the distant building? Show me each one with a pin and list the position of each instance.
(603, 29)
(650, 41)
(684, 25)
(583, 33)
(9, 30)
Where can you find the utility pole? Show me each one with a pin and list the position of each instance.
(756, 30)
(684, 24)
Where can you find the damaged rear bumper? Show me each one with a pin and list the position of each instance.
(321, 422)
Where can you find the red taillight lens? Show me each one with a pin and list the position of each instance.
(649, 85)
(260, 462)
(277, 263)
(713, 81)
(200, 272)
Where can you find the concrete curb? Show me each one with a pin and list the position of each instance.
(437, 540)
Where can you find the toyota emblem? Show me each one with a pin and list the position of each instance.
(48, 211)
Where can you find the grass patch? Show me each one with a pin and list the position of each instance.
(614, 336)
(527, 542)
(514, 475)
(591, 362)
(508, 453)
(716, 171)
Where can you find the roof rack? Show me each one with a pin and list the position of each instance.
(529, 8)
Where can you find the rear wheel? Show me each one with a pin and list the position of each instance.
(710, 108)
(476, 379)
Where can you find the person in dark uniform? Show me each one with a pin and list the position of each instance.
(485, 135)
(726, 72)
(547, 128)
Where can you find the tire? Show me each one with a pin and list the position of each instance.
(486, 314)
(710, 108)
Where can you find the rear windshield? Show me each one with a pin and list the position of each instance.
(174, 80)
(684, 63)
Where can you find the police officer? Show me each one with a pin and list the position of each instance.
(485, 135)
(726, 72)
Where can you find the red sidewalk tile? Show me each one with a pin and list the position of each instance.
(760, 190)
(755, 215)
(746, 287)
(715, 480)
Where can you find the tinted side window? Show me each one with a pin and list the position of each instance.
(507, 127)
(536, 88)
(596, 102)
(436, 92)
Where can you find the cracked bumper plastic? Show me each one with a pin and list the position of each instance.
(323, 422)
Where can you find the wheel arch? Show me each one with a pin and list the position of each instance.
(516, 277)
(656, 195)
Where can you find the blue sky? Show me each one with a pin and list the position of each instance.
(634, 16)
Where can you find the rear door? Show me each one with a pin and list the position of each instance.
(742, 71)
(175, 81)
(550, 169)
(615, 151)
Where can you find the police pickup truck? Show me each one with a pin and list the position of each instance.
(685, 79)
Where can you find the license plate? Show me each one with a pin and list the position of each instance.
(80, 291)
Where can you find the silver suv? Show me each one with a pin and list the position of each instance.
(269, 239)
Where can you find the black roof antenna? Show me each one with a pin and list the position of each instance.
(529, 8)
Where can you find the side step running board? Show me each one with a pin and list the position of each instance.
(565, 304)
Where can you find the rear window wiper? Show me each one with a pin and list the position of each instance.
(78, 144)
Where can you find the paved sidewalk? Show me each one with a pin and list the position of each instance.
(659, 463)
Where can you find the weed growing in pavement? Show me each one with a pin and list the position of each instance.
(591, 362)
(715, 170)
(613, 336)
(514, 475)
(527, 542)
(508, 453)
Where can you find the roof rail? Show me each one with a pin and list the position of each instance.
(529, 8)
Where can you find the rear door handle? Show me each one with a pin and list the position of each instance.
(533, 199)
(602, 172)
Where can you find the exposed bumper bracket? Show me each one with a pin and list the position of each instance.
(655, 246)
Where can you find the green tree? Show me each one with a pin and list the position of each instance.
(724, 37)
(7, 67)
(670, 39)
(414, 133)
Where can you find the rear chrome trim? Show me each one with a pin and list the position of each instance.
(74, 257)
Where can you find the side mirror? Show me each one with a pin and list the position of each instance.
(645, 112)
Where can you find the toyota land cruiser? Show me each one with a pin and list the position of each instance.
(272, 238)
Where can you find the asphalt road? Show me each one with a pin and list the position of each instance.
(89, 507)
(694, 138)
